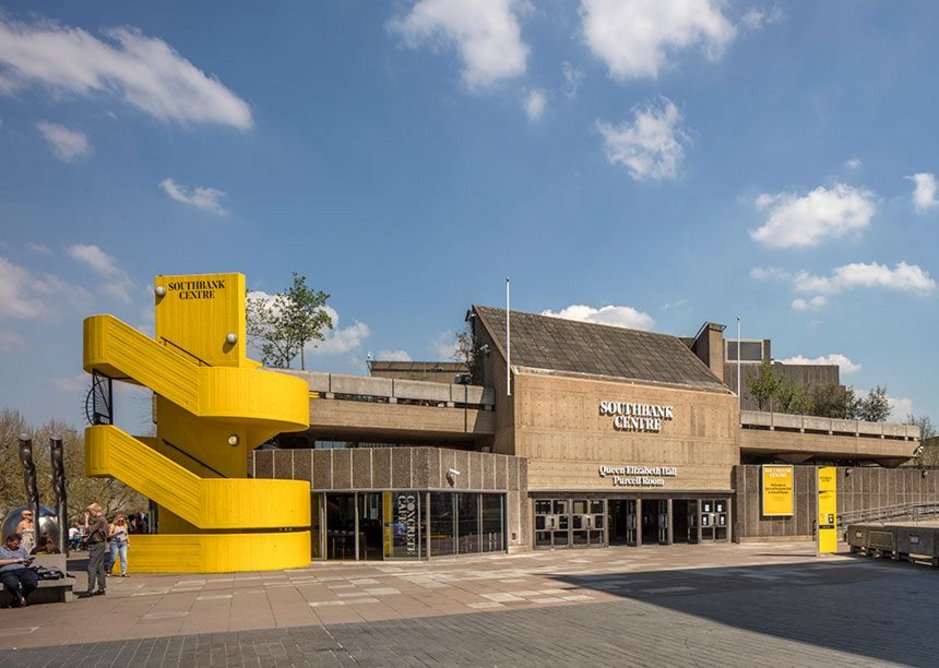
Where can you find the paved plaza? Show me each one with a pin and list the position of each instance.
(713, 605)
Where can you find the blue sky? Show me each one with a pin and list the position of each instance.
(652, 164)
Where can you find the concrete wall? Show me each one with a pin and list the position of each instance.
(420, 468)
(864, 488)
(560, 431)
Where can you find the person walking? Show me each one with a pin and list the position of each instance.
(118, 534)
(27, 530)
(96, 528)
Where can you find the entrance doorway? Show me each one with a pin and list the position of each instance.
(682, 522)
(655, 522)
(622, 522)
(371, 545)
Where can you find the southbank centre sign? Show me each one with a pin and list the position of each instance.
(636, 417)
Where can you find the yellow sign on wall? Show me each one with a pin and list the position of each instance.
(778, 497)
(827, 510)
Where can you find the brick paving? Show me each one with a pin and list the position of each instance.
(689, 605)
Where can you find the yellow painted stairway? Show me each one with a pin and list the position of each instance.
(213, 407)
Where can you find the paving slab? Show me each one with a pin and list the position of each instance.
(702, 605)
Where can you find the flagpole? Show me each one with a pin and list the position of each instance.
(739, 388)
(508, 340)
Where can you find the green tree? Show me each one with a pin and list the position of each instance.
(114, 496)
(793, 398)
(282, 325)
(835, 401)
(875, 407)
(928, 453)
(765, 386)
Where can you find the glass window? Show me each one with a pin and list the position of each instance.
(441, 524)
(405, 525)
(340, 526)
(468, 522)
(316, 537)
(493, 532)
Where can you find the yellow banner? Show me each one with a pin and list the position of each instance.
(778, 498)
(827, 510)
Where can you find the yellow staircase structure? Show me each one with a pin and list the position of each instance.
(213, 406)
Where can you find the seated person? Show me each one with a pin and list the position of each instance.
(46, 545)
(15, 574)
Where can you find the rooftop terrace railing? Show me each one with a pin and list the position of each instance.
(833, 426)
(393, 390)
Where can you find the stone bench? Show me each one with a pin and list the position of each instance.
(49, 591)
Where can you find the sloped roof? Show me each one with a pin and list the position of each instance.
(570, 346)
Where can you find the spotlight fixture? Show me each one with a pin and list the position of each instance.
(159, 291)
(233, 440)
(231, 338)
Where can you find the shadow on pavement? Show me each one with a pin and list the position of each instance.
(882, 610)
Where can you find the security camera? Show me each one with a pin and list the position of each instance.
(452, 473)
(484, 349)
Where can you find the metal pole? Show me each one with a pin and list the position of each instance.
(739, 388)
(508, 340)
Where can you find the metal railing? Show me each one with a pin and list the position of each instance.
(899, 511)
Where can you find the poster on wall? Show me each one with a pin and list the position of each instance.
(777, 497)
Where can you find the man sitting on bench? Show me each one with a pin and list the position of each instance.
(15, 573)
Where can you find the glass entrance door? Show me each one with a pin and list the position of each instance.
(622, 522)
(570, 523)
(588, 523)
(663, 521)
(371, 534)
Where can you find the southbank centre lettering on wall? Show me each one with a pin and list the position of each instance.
(638, 476)
(196, 289)
(636, 417)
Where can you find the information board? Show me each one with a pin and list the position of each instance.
(778, 498)
(827, 510)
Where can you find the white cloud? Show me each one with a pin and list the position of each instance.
(813, 304)
(535, 104)
(924, 193)
(200, 197)
(103, 264)
(765, 273)
(572, 79)
(66, 144)
(39, 248)
(901, 409)
(649, 147)
(445, 346)
(25, 295)
(117, 283)
(636, 38)
(902, 278)
(143, 71)
(618, 316)
(485, 32)
(393, 356)
(854, 164)
(341, 340)
(807, 220)
(847, 365)
(757, 19)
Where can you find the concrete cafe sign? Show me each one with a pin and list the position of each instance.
(629, 416)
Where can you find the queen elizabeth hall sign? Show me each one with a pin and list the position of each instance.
(777, 490)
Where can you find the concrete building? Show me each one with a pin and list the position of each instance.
(588, 436)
